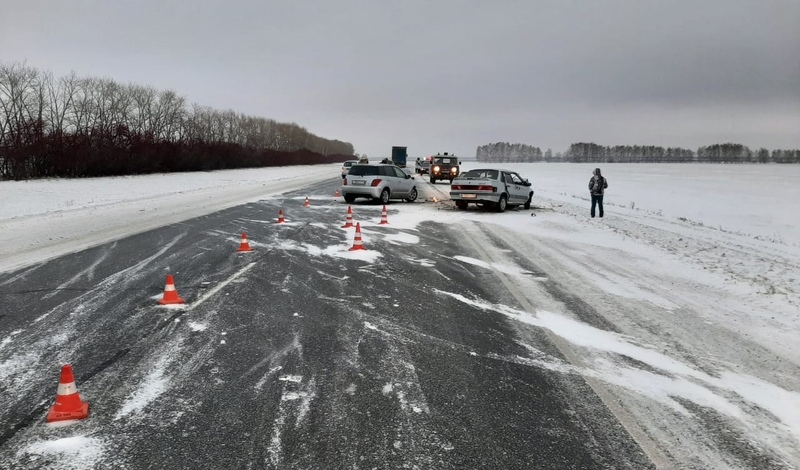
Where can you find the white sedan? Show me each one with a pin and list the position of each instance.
(492, 187)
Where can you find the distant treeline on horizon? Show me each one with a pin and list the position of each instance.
(504, 152)
(85, 126)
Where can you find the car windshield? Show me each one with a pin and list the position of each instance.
(475, 174)
(445, 160)
(364, 170)
(348, 164)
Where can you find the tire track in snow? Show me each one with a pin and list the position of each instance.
(476, 240)
(88, 272)
(20, 368)
(295, 402)
(414, 436)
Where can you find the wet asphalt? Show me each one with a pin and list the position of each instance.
(285, 357)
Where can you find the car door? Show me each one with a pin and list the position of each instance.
(402, 184)
(505, 177)
(519, 189)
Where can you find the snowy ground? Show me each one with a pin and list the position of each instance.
(694, 269)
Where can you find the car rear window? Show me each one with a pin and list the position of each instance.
(491, 174)
(364, 170)
(348, 164)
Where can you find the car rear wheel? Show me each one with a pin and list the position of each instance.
(501, 204)
(349, 198)
(412, 196)
(384, 199)
(462, 205)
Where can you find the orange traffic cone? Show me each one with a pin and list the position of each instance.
(337, 193)
(68, 403)
(357, 244)
(244, 246)
(307, 203)
(349, 222)
(280, 217)
(170, 294)
(384, 217)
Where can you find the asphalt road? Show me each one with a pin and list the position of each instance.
(288, 358)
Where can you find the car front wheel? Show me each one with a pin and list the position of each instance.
(502, 203)
(412, 196)
(528, 202)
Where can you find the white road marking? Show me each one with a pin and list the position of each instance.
(220, 286)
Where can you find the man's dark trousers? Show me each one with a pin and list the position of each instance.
(597, 199)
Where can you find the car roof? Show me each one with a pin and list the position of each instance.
(376, 164)
(492, 169)
(351, 161)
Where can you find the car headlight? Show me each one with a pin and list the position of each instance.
(436, 168)
(454, 170)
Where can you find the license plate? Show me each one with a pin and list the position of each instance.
(469, 196)
(359, 182)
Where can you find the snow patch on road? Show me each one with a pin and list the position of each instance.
(291, 378)
(424, 262)
(146, 392)
(501, 267)
(333, 251)
(77, 452)
(401, 238)
(8, 339)
(194, 326)
(727, 393)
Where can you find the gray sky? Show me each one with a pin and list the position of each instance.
(447, 75)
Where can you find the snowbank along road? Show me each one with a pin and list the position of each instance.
(456, 340)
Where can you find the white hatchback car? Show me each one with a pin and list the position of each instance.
(346, 166)
(379, 182)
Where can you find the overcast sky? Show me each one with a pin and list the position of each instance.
(447, 75)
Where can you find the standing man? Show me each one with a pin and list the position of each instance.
(597, 186)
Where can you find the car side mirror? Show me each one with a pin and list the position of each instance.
(408, 176)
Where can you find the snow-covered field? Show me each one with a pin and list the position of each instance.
(697, 266)
(755, 200)
(42, 219)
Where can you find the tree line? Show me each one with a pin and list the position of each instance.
(504, 152)
(75, 126)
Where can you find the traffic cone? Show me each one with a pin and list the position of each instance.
(244, 246)
(357, 244)
(68, 403)
(280, 217)
(337, 193)
(349, 222)
(307, 203)
(170, 294)
(384, 217)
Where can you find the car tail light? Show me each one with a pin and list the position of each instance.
(376, 182)
(486, 188)
(457, 187)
